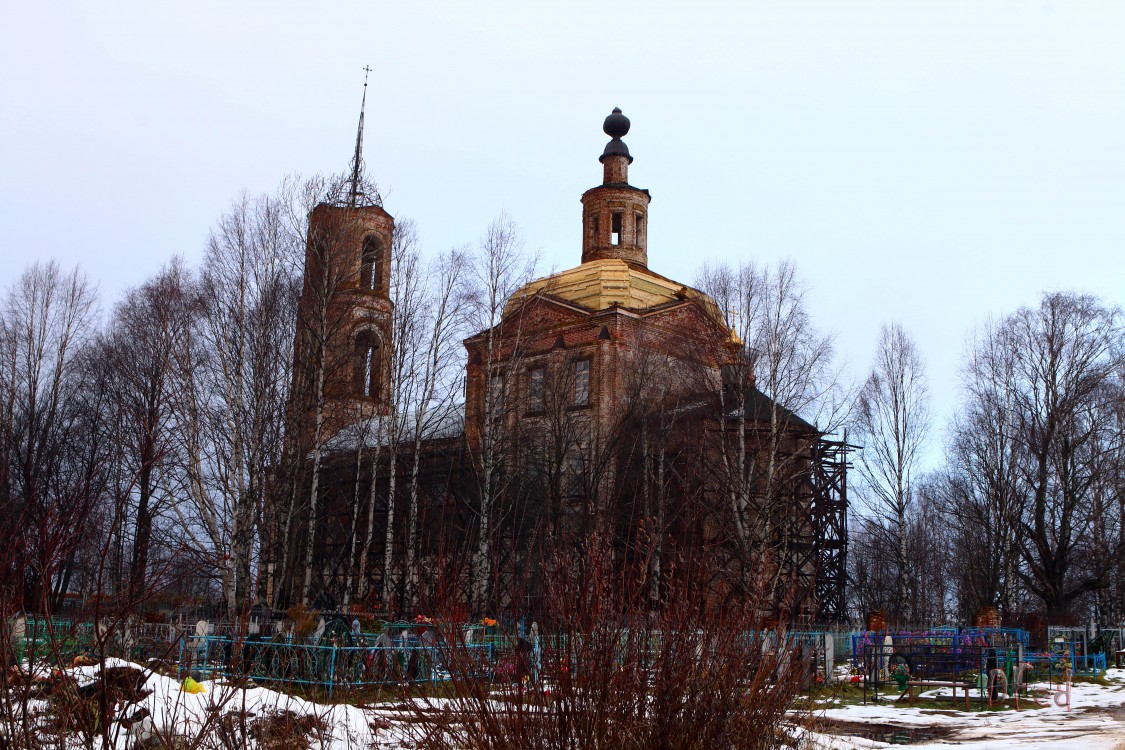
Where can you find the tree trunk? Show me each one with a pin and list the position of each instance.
(314, 492)
(362, 580)
(903, 569)
(143, 534)
(389, 538)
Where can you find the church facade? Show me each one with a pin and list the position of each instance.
(610, 403)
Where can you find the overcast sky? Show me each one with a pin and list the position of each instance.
(927, 162)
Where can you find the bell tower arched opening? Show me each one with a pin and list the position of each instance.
(371, 266)
(366, 368)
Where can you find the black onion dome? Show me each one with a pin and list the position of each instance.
(616, 125)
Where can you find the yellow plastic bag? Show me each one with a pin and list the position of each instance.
(191, 686)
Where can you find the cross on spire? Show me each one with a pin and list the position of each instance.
(355, 190)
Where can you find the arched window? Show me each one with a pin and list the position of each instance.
(371, 265)
(366, 373)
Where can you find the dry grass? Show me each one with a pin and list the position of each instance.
(277, 730)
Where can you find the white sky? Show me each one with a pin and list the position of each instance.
(930, 162)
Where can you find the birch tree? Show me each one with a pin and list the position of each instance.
(370, 435)
(893, 416)
(321, 326)
(425, 372)
(407, 297)
(783, 382)
(433, 388)
(493, 274)
(236, 381)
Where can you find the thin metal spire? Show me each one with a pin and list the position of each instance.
(355, 190)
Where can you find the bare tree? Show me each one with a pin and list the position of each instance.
(986, 486)
(786, 389)
(424, 375)
(1066, 352)
(935, 560)
(493, 275)
(739, 292)
(1036, 456)
(235, 381)
(893, 417)
(408, 297)
(434, 388)
(1109, 509)
(932, 560)
(321, 326)
(48, 316)
(140, 353)
(370, 439)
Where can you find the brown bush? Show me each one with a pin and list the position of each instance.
(615, 673)
(84, 708)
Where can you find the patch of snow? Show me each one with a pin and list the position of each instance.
(1094, 722)
(174, 712)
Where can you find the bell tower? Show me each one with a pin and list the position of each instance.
(615, 214)
(343, 344)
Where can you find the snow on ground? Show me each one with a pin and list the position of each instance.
(1095, 721)
(174, 712)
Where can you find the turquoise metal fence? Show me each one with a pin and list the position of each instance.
(324, 665)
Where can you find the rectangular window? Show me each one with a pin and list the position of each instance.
(640, 229)
(535, 389)
(574, 480)
(582, 382)
(615, 235)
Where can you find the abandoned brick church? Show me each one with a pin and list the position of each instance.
(610, 403)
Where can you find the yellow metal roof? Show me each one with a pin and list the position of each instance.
(601, 284)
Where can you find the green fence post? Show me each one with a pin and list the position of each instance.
(332, 672)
